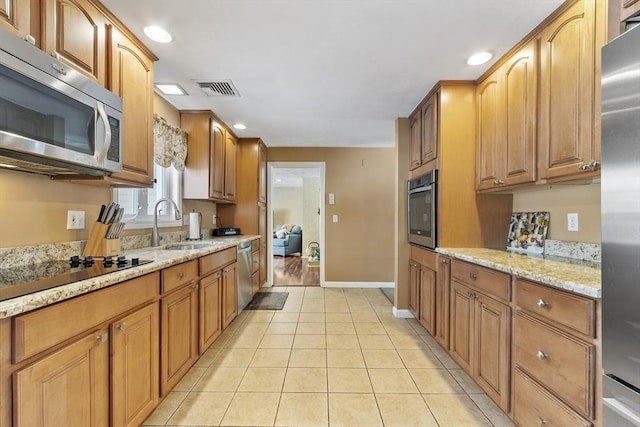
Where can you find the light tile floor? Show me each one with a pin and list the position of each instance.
(331, 357)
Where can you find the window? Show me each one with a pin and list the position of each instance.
(138, 203)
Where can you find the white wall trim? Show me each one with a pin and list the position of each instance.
(358, 285)
(402, 313)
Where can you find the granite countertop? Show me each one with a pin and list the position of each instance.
(580, 277)
(161, 259)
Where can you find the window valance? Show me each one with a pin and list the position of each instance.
(169, 144)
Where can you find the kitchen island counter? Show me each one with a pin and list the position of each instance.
(161, 258)
(580, 277)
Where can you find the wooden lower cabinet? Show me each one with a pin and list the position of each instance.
(481, 340)
(414, 287)
(427, 296)
(210, 310)
(179, 335)
(67, 388)
(229, 294)
(134, 366)
(443, 280)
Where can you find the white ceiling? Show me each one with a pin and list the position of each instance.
(330, 73)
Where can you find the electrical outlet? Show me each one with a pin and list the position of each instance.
(572, 222)
(214, 220)
(332, 199)
(335, 218)
(75, 220)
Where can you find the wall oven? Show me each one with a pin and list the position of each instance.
(53, 119)
(422, 210)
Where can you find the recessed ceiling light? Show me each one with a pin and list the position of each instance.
(239, 126)
(170, 89)
(479, 58)
(4, 165)
(158, 34)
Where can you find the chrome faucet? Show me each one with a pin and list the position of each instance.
(155, 235)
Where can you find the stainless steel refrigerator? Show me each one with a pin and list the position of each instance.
(621, 230)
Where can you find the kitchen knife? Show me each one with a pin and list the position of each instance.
(101, 214)
(112, 218)
(107, 214)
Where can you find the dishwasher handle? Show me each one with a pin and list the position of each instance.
(242, 246)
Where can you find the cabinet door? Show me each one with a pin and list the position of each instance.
(492, 344)
(179, 335)
(134, 366)
(230, 167)
(428, 299)
(415, 124)
(132, 79)
(210, 309)
(216, 162)
(430, 129)
(519, 88)
(262, 173)
(67, 388)
(489, 153)
(565, 141)
(414, 288)
(443, 278)
(14, 16)
(461, 332)
(229, 294)
(75, 31)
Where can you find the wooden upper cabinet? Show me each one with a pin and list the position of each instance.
(429, 146)
(415, 123)
(75, 32)
(566, 140)
(424, 132)
(216, 162)
(14, 16)
(132, 79)
(507, 123)
(230, 167)
(489, 132)
(211, 165)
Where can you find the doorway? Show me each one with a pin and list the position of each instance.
(296, 205)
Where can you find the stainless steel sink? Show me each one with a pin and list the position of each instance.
(187, 246)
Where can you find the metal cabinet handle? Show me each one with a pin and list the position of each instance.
(542, 355)
(542, 303)
(495, 182)
(443, 261)
(122, 326)
(542, 422)
(102, 337)
(500, 182)
(195, 286)
(472, 295)
(473, 276)
(583, 166)
(594, 164)
(182, 275)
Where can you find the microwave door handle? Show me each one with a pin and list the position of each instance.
(420, 189)
(107, 133)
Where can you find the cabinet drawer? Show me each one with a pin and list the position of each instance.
(534, 406)
(216, 260)
(42, 329)
(255, 261)
(178, 275)
(255, 245)
(491, 282)
(570, 310)
(556, 360)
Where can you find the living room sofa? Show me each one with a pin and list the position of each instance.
(290, 243)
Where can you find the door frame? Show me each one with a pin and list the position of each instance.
(321, 203)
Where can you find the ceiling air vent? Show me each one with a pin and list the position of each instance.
(219, 88)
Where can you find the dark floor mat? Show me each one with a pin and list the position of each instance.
(268, 301)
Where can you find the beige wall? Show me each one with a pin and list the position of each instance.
(360, 247)
(287, 205)
(401, 261)
(559, 200)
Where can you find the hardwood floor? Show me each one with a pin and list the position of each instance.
(294, 271)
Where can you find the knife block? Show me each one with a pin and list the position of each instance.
(98, 245)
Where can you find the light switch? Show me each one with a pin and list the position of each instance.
(332, 200)
(335, 218)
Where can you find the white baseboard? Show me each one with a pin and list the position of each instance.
(358, 285)
(402, 313)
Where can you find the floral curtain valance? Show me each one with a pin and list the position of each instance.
(169, 144)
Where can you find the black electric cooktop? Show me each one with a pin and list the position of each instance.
(27, 279)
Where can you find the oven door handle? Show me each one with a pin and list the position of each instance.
(420, 189)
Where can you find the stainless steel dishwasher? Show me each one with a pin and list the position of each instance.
(244, 275)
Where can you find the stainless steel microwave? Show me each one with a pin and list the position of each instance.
(53, 119)
(422, 210)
